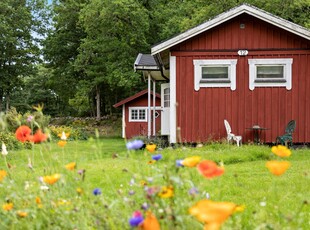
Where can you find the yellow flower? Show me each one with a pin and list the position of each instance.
(51, 179)
(22, 214)
(61, 143)
(2, 175)
(166, 192)
(8, 206)
(278, 167)
(71, 166)
(191, 161)
(151, 162)
(212, 213)
(151, 148)
(143, 183)
(281, 151)
(79, 191)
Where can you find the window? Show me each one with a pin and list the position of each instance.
(137, 114)
(215, 73)
(270, 73)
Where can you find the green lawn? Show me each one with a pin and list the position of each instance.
(271, 202)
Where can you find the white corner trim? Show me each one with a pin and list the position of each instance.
(123, 122)
(286, 62)
(173, 101)
(230, 63)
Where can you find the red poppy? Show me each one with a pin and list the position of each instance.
(209, 169)
(23, 133)
(39, 137)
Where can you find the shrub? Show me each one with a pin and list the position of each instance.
(75, 133)
(10, 141)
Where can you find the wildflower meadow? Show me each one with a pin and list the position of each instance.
(61, 183)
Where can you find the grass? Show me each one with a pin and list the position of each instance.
(270, 202)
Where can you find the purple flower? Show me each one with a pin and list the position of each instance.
(193, 191)
(157, 157)
(145, 206)
(134, 145)
(29, 118)
(179, 163)
(136, 219)
(97, 191)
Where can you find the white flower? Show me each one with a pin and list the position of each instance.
(44, 187)
(63, 136)
(4, 151)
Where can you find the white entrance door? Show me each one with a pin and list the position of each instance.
(165, 106)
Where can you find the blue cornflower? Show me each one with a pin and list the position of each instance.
(157, 157)
(179, 163)
(134, 145)
(136, 219)
(97, 191)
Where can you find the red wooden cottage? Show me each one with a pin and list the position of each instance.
(136, 117)
(246, 66)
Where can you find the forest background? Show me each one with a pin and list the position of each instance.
(72, 55)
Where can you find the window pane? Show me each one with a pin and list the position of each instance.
(270, 71)
(219, 72)
(134, 114)
(142, 114)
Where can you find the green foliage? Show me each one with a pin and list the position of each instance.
(36, 119)
(9, 139)
(75, 133)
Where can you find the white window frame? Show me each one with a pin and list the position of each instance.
(139, 109)
(230, 63)
(286, 81)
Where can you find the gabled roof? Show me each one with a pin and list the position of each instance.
(137, 95)
(221, 18)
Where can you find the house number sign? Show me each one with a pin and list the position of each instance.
(243, 52)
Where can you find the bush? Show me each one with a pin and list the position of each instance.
(10, 141)
(75, 133)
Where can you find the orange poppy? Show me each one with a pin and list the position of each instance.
(22, 214)
(281, 151)
(191, 161)
(51, 179)
(150, 222)
(212, 213)
(23, 133)
(210, 169)
(278, 167)
(8, 206)
(2, 175)
(151, 148)
(61, 143)
(71, 166)
(39, 136)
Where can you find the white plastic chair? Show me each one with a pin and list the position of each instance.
(231, 136)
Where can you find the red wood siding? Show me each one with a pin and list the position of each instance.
(134, 129)
(201, 114)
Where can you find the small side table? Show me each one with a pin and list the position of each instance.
(257, 131)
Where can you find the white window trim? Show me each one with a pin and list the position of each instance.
(230, 63)
(157, 108)
(286, 62)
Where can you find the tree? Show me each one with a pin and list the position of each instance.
(113, 40)
(61, 50)
(20, 33)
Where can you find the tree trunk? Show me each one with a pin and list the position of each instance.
(98, 103)
(7, 104)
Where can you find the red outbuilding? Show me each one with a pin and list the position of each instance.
(247, 66)
(135, 115)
